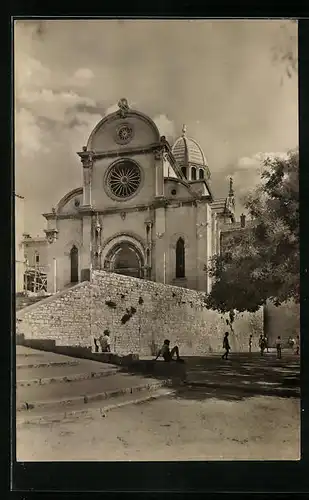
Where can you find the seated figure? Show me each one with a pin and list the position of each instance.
(168, 354)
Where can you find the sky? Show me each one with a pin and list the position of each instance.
(220, 78)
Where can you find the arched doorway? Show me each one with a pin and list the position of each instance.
(74, 264)
(125, 259)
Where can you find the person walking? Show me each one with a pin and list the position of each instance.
(226, 345)
(278, 346)
(250, 344)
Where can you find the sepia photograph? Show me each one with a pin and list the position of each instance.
(156, 194)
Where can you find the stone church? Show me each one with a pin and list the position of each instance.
(146, 209)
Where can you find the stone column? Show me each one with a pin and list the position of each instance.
(202, 240)
(87, 174)
(159, 169)
(87, 162)
(160, 244)
(51, 236)
(86, 248)
(148, 256)
(209, 246)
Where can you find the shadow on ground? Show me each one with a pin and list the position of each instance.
(242, 376)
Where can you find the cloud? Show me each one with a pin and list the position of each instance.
(112, 109)
(29, 136)
(166, 127)
(83, 75)
(247, 172)
(217, 77)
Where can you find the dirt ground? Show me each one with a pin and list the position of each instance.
(254, 428)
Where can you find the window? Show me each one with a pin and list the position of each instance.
(74, 264)
(193, 174)
(184, 171)
(37, 258)
(201, 174)
(124, 179)
(180, 258)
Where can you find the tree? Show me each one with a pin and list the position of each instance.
(261, 262)
(285, 52)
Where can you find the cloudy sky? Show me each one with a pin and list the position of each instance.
(218, 77)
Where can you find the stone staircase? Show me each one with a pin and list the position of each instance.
(54, 387)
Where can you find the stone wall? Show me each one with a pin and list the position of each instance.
(283, 320)
(64, 317)
(140, 314)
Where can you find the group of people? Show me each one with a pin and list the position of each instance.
(294, 344)
(168, 354)
(104, 342)
(263, 344)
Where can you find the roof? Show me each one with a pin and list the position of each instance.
(186, 150)
(219, 204)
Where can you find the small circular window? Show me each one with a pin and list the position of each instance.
(124, 134)
(173, 192)
(124, 179)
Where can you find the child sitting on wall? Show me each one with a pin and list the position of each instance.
(168, 354)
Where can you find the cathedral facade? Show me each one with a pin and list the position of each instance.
(146, 208)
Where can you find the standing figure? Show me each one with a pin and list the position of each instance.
(226, 345)
(262, 344)
(278, 347)
(96, 346)
(250, 343)
(265, 343)
(105, 341)
(297, 346)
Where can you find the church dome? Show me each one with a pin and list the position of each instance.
(187, 151)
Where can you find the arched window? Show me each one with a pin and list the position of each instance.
(184, 171)
(201, 173)
(180, 258)
(193, 174)
(74, 264)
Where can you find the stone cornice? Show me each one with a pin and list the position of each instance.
(157, 203)
(97, 155)
(63, 216)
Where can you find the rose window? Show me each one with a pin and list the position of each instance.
(124, 179)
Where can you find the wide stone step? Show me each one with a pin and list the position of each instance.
(52, 395)
(63, 378)
(92, 409)
(48, 371)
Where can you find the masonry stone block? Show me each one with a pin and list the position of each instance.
(154, 312)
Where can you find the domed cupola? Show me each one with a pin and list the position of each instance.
(190, 157)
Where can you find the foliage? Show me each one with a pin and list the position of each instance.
(261, 262)
(285, 50)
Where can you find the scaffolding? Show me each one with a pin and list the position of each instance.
(35, 279)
